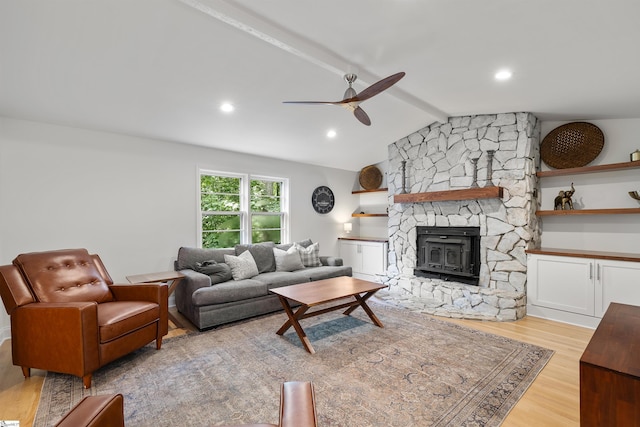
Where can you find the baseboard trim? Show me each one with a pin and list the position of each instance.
(5, 333)
(563, 316)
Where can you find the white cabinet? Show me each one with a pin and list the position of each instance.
(616, 281)
(562, 283)
(579, 290)
(367, 258)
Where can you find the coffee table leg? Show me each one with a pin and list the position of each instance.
(293, 321)
(362, 303)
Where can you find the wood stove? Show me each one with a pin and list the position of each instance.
(449, 253)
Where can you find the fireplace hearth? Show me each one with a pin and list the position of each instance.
(449, 253)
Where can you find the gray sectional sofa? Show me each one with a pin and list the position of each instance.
(209, 295)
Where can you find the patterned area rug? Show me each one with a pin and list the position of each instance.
(416, 371)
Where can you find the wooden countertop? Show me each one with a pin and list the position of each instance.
(365, 239)
(579, 253)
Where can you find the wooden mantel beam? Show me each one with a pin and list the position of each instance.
(448, 195)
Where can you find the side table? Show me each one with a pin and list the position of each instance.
(171, 278)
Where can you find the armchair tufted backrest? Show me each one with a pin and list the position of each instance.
(67, 275)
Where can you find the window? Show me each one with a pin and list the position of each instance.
(238, 209)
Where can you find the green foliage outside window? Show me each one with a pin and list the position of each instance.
(222, 213)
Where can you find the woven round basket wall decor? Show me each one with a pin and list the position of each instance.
(572, 145)
(370, 177)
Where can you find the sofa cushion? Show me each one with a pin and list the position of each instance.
(242, 266)
(188, 257)
(218, 271)
(310, 255)
(287, 260)
(327, 272)
(262, 253)
(276, 279)
(116, 319)
(234, 290)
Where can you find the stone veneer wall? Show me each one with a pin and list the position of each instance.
(438, 158)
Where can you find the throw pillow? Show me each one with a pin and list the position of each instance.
(262, 254)
(285, 246)
(310, 255)
(287, 260)
(305, 243)
(242, 266)
(218, 272)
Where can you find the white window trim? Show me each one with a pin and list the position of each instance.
(245, 214)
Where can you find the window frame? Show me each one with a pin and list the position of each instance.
(245, 212)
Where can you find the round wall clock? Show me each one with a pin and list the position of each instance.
(322, 199)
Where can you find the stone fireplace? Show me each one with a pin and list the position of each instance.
(441, 159)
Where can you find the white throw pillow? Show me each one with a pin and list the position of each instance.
(287, 260)
(310, 255)
(242, 266)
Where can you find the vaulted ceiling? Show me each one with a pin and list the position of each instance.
(162, 68)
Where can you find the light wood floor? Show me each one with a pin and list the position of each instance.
(552, 400)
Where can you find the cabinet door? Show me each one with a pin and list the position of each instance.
(351, 256)
(616, 281)
(374, 258)
(562, 283)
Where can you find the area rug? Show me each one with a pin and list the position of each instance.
(416, 371)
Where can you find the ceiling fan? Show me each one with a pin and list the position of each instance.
(351, 100)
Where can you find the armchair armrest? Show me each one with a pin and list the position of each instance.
(152, 292)
(59, 337)
(331, 260)
(297, 405)
(13, 289)
(96, 411)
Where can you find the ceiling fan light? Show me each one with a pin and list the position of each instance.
(503, 75)
(349, 93)
(227, 107)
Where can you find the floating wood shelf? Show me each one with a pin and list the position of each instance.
(589, 169)
(449, 195)
(365, 215)
(619, 211)
(377, 190)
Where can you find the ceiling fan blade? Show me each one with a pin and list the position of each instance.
(362, 116)
(314, 102)
(378, 87)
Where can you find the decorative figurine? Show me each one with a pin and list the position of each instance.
(564, 199)
(490, 154)
(474, 164)
(404, 177)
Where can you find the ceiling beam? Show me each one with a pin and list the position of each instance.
(274, 34)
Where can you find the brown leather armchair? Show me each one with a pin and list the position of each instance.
(96, 411)
(297, 406)
(67, 316)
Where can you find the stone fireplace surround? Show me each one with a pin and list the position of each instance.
(439, 158)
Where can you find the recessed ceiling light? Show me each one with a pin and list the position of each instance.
(226, 107)
(331, 133)
(503, 75)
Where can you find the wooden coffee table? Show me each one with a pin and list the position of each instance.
(321, 292)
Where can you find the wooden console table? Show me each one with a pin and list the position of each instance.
(610, 370)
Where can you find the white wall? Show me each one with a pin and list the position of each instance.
(132, 200)
(615, 233)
